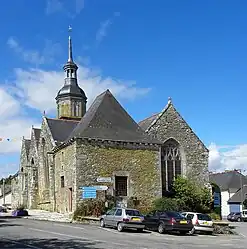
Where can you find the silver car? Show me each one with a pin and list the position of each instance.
(122, 218)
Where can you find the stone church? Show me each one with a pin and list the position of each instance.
(80, 146)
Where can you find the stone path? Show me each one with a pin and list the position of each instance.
(49, 216)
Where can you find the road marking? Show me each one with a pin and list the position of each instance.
(59, 225)
(75, 237)
(21, 244)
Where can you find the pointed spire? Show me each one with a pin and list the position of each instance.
(70, 58)
(169, 100)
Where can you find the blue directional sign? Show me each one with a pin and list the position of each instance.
(88, 192)
(216, 199)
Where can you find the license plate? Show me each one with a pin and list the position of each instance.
(205, 223)
(183, 222)
(136, 219)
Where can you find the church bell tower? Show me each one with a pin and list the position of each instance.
(71, 99)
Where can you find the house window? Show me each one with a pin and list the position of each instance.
(121, 185)
(62, 181)
(171, 163)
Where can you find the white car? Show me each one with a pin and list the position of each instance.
(201, 222)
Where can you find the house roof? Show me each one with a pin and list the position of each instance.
(228, 179)
(144, 124)
(37, 132)
(60, 128)
(27, 143)
(239, 196)
(106, 119)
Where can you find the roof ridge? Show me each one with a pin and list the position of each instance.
(66, 120)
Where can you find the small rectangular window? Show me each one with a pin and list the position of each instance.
(121, 185)
(62, 181)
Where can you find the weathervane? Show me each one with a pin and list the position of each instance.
(70, 29)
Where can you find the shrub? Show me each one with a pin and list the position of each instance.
(89, 208)
(165, 203)
(20, 207)
(215, 216)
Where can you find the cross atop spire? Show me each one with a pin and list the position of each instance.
(70, 58)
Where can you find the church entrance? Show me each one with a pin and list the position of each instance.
(70, 199)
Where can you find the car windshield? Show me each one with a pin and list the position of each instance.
(132, 212)
(204, 217)
(171, 214)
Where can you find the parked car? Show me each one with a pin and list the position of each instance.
(3, 209)
(201, 222)
(234, 216)
(167, 221)
(122, 218)
(244, 215)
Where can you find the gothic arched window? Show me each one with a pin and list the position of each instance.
(171, 163)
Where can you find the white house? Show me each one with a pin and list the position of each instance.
(229, 182)
(5, 199)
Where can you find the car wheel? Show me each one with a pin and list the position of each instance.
(161, 228)
(238, 219)
(183, 232)
(120, 227)
(102, 223)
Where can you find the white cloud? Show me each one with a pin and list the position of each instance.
(227, 157)
(101, 33)
(33, 56)
(53, 6)
(71, 8)
(13, 124)
(104, 26)
(48, 84)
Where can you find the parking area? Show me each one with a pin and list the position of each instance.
(25, 233)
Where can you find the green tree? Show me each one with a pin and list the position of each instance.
(245, 203)
(191, 195)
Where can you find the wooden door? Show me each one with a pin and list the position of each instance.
(70, 199)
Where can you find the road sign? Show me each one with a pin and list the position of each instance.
(104, 179)
(101, 187)
(88, 192)
(216, 199)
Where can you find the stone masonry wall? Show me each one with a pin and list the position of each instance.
(140, 165)
(44, 190)
(65, 165)
(15, 192)
(194, 154)
(20, 192)
(33, 161)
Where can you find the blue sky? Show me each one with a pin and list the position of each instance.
(144, 51)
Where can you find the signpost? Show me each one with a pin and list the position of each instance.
(88, 192)
(216, 199)
(104, 179)
(101, 187)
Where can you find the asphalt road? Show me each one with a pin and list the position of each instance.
(26, 233)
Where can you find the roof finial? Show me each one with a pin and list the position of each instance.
(70, 59)
(44, 113)
(169, 100)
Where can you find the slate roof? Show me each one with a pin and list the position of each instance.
(236, 198)
(27, 143)
(228, 179)
(61, 128)
(144, 124)
(37, 135)
(106, 119)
